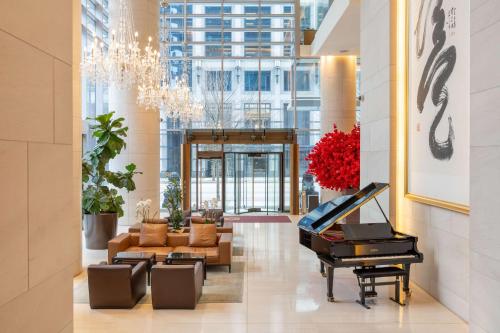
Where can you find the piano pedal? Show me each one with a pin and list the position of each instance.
(371, 294)
(330, 299)
(323, 274)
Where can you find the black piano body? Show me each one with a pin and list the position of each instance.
(356, 245)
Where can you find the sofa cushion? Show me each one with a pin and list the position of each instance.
(197, 220)
(160, 251)
(178, 239)
(153, 234)
(203, 235)
(212, 253)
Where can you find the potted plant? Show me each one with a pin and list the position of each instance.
(101, 202)
(172, 199)
(335, 162)
(142, 211)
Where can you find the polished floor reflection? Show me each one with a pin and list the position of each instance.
(283, 293)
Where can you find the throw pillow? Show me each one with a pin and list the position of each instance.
(153, 234)
(203, 235)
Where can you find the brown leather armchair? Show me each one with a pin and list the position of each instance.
(176, 286)
(116, 286)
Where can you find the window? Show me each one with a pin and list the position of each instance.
(287, 78)
(216, 23)
(265, 81)
(253, 36)
(215, 81)
(216, 36)
(252, 79)
(303, 81)
(256, 23)
(216, 50)
(217, 9)
(255, 9)
(257, 115)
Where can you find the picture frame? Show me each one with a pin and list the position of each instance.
(437, 129)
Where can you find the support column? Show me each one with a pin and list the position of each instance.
(186, 175)
(143, 140)
(294, 179)
(338, 98)
(77, 131)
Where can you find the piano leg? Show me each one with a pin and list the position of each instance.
(406, 279)
(329, 281)
(322, 268)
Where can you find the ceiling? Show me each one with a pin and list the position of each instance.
(340, 30)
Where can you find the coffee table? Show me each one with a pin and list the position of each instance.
(179, 258)
(133, 258)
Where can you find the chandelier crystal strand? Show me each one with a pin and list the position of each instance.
(175, 97)
(93, 63)
(124, 55)
(150, 78)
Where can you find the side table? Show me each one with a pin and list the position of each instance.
(179, 258)
(133, 258)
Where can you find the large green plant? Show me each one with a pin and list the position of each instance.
(172, 199)
(100, 194)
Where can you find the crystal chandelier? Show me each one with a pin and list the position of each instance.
(175, 98)
(124, 54)
(94, 63)
(150, 75)
(124, 65)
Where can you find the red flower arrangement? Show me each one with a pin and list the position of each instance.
(334, 160)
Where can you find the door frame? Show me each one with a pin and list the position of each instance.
(281, 179)
(240, 136)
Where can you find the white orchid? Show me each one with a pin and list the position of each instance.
(142, 210)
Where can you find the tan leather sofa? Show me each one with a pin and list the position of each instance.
(219, 255)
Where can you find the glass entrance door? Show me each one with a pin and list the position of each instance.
(253, 182)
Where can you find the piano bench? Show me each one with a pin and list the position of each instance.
(372, 273)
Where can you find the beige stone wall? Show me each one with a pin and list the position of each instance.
(443, 234)
(485, 167)
(40, 232)
(375, 63)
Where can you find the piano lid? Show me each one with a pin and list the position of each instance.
(327, 214)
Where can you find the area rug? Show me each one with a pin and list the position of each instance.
(220, 286)
(258, 219)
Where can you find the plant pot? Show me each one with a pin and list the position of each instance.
(99, 229)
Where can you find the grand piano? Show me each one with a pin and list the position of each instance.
(340, 244)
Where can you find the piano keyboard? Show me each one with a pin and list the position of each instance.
(404, 256)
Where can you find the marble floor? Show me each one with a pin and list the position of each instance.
(283, 292)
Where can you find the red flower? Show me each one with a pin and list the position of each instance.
(334, 160)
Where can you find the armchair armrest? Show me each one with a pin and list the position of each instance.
(138, 280)
(139, 268)
(225, 248)
(118, 244)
